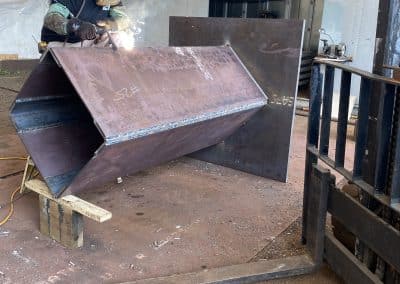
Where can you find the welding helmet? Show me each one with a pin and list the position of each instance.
(109, 3)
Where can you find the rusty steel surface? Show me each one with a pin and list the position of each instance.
(271, 51)
(87, 116)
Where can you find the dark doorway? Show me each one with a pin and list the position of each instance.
(248, 9)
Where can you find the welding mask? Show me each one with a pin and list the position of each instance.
(108, 3)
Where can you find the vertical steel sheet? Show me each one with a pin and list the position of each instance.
(271, 51)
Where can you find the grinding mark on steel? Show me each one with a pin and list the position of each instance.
(206, 73)
(288, 50)
(184, 122)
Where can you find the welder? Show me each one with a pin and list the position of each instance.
(82, 23)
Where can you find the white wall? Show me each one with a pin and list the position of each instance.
(354, 23)
(151, 17)
(22, 19)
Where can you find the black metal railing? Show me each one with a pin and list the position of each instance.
(374, 219)
(387, 166)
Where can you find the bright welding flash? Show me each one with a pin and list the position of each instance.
(126, 40)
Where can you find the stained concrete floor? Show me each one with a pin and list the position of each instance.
(181, 217)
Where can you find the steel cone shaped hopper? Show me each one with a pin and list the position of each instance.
(87, 116)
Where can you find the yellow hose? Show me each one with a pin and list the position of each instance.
(13, 158)
(11, 211)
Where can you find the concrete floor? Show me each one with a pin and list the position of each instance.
(181, 217)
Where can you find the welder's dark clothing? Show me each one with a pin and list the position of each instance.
(61, 11)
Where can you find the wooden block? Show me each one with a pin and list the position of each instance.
(87, 209)
(71, 202)
(8, 57)
(61, 224)
(29, 171)
(396, 75)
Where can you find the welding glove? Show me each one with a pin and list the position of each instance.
(109, 25)
(81, 29)
(108, 2)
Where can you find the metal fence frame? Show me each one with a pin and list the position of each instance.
(376, 232)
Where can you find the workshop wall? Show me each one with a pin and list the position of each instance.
(22, 21)
(151, 18)
(353, 23)
(392, 57)
(20, 26)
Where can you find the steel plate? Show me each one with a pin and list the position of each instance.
(89, 115)
(271, 51)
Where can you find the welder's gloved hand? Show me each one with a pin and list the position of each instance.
(81, 29)
(108, 2)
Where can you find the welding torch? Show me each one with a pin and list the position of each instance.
(100, 31)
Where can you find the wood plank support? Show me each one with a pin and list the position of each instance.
(62, 219)
(60, 223)
(29, 173)
(71, 202)
(8, 56)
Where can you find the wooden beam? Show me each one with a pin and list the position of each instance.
(28, 173)
(8, 57)
(71, 202)
(60, 223)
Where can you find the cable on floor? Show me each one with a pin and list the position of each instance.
(11, 211)
(11, 202)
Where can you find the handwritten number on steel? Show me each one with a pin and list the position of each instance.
(126, 93)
